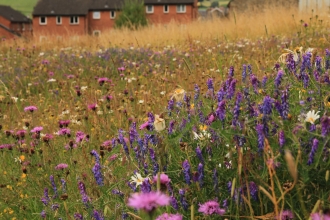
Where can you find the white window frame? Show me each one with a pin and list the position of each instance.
(58, 17)
(44, 23)
(152, 9)
(181, 9)
(168, 9)
(96, 15)
(96, 33)
(114, 14)
(74, 22)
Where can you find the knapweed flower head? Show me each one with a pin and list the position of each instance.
(92, 106)
(211, 207)
(37, 129)
(148, 201)
(164, 179)
(30, 108)
(137, 179)
(318, 216)
(312, 116)
(286, 215)
(61, 166)
(167, 216)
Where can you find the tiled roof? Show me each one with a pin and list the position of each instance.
(105, 4)
(12, 15)
(169, 2)
(81, 7)
(61, 7)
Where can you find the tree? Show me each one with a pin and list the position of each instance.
(215, 4)
(132, 16)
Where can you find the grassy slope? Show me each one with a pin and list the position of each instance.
(25, 6)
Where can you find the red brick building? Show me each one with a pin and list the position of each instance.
(68, 17)
(13, 23)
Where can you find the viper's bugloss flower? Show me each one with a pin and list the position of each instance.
(311, 156)
(231, 72)
(174, 203)
(221, 110)
(183, 200)
(83, 193)
(98, 174)
(97, 215)
(281, 138)
(285, 104)
(199, 154)
(278, 78)
(200, 174)
(78, 216)
(261, 137)
(267, 105)
(253, 190)
(197, 92)
(244, 73)
(325, 125)
(186, 171)
(52, 181)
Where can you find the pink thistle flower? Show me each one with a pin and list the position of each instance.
(64, 131)
(163, 179)
(61, 166)
(30, 108)
(286, 214)
(210, 208)
(113, 157)
(144, 125)
(148, 201)
(37, 130)
(167, 216)
(92, 107)
(317, 216)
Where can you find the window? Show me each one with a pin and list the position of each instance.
(23, 27)
(58, 20)
(96, 15)
(150, 9)
(112, 14)
(166, 9)
(74, 20)
(42, 20)
(96, 33)
(42, 38)
(180, 8)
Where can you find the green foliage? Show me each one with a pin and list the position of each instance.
(24, 6)
(214, 4)
(132, 16)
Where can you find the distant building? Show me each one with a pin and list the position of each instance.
(307, 5)
(259, 5)
(13, 23)
(68, 17)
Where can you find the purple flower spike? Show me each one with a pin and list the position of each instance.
(186, 172)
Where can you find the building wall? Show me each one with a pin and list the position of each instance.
(308, 5)
(158, 16)
(102, 24)
(4, 22)
(6, 34)
(51, 28)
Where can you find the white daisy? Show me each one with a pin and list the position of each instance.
(311, 116)
(137, 179)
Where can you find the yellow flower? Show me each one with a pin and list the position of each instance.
(9, 187)
(203, 127)
(23, 175)
(22, 157)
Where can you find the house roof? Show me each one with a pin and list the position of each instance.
(105, 4)
(61, 7)
(168, 2)
(12, 15)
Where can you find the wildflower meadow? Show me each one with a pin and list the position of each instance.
(221, 127)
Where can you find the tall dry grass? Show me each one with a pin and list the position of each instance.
(273, 21)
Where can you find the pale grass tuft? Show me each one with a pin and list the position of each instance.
(291, 164)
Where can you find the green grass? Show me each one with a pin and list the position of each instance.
(24, 6)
